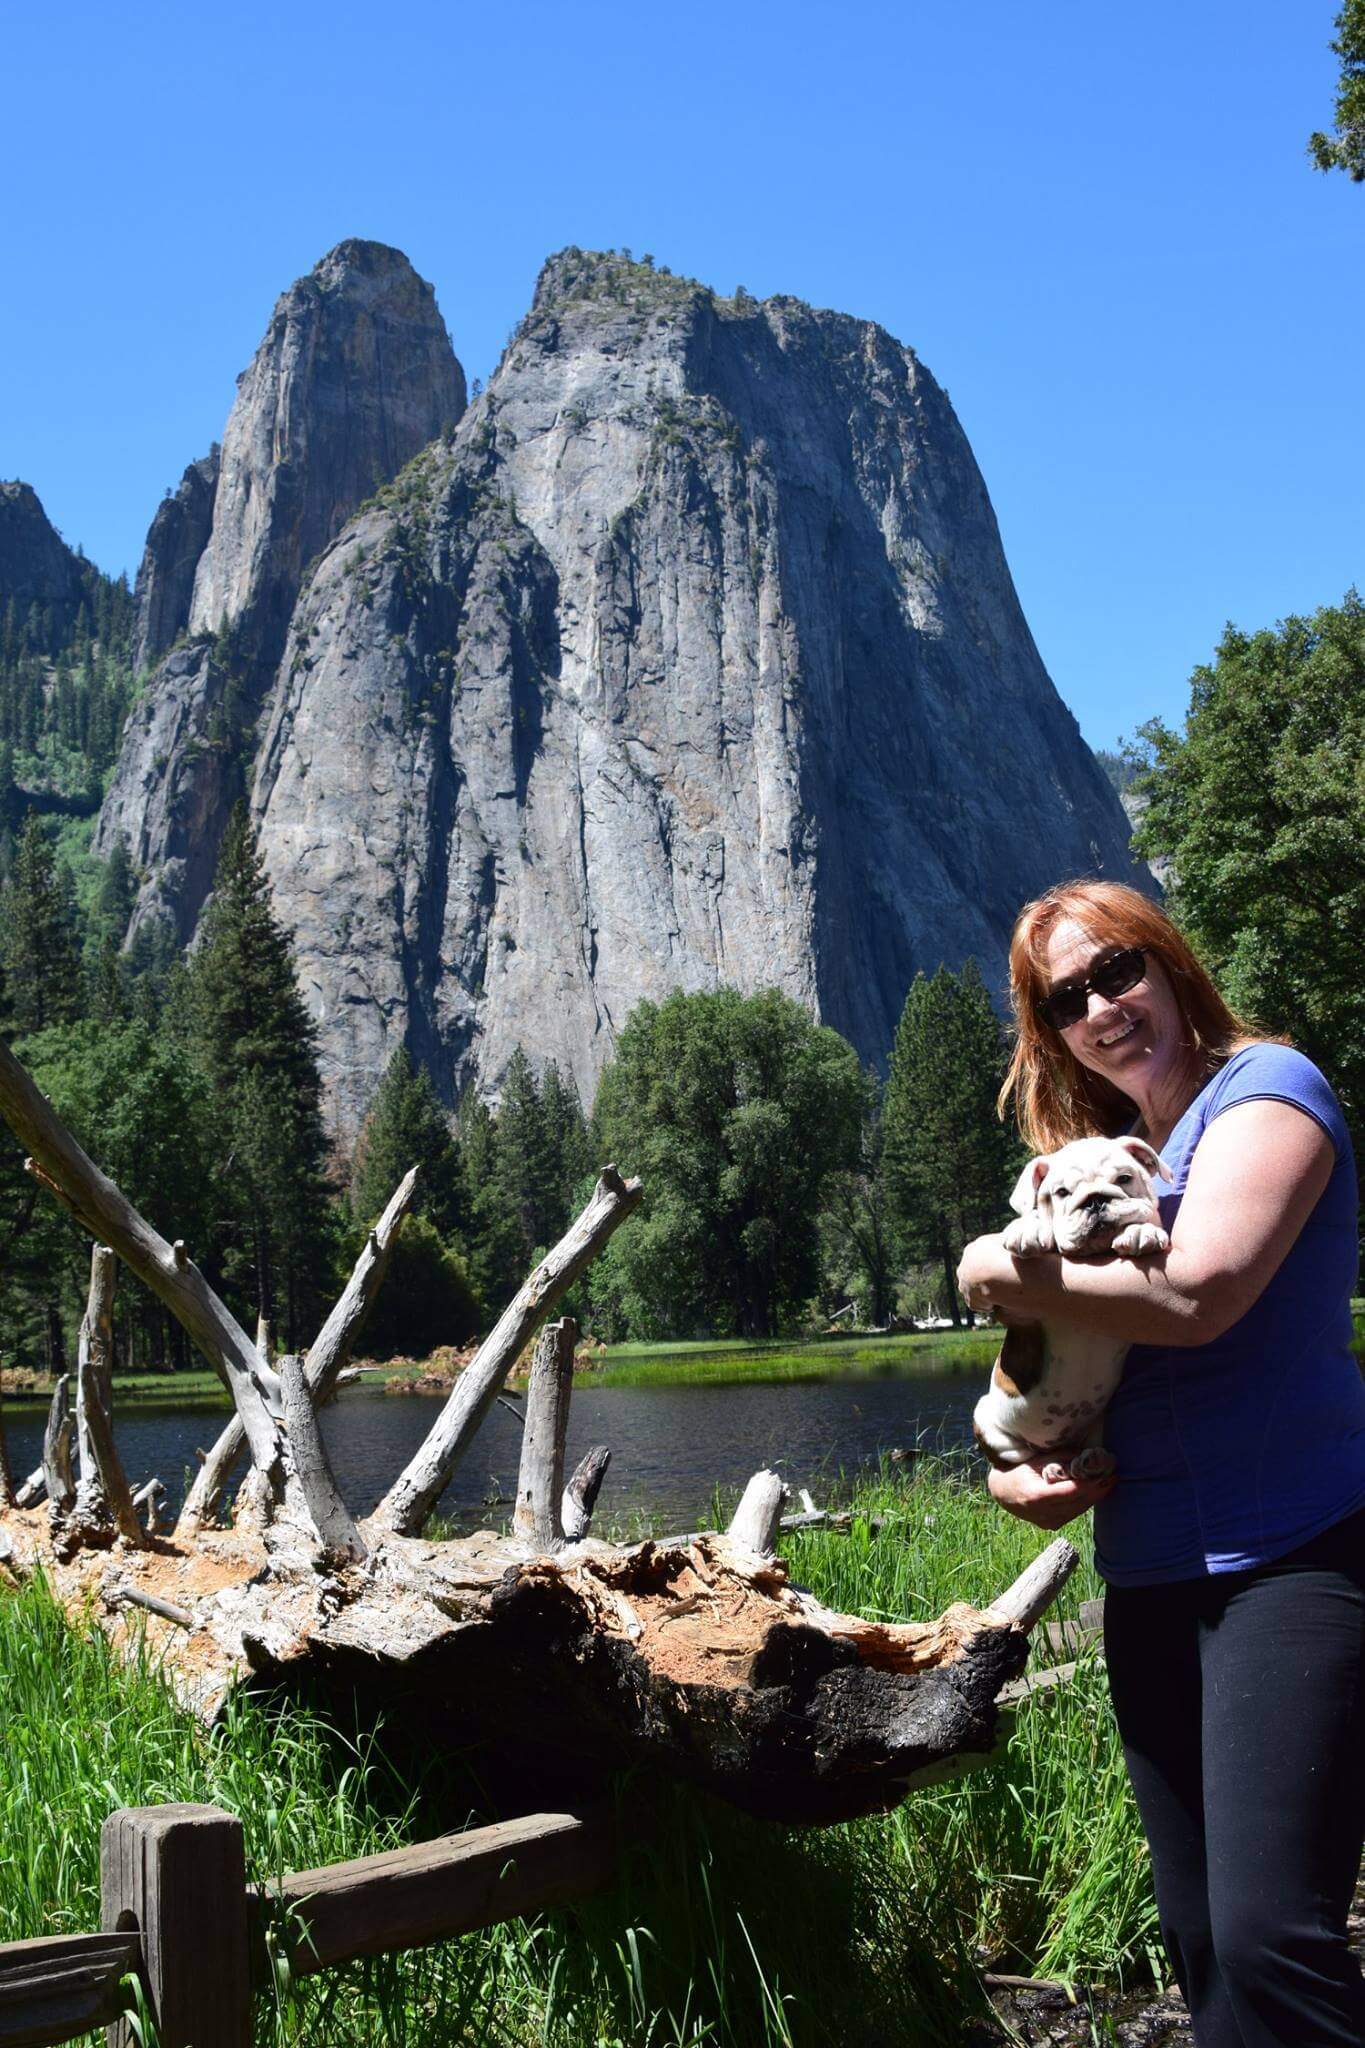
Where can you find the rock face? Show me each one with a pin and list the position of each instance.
(176, 539)
(36, 565)
(692, 657)
(354, 376)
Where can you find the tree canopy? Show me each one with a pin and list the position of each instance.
(1260, 805)
(949, 1158)
(258, 1049)
(736, 1110)
(1344, 148)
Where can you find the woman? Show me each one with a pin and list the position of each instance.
(1232, 1534)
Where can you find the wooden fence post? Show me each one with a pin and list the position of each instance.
(177, 1874)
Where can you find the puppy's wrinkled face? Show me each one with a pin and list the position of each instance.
(1091, 1190)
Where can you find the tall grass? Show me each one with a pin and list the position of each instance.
(721, 1930)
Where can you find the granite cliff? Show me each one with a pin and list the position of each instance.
(355, 374)
(689, 655)
(37, 568)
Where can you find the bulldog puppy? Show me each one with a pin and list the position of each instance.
(1051, 1384)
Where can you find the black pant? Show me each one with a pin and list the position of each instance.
(1241, 1703)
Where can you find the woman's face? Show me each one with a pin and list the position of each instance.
(1136, 1040)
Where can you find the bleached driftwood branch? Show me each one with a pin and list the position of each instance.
(418, 1487)
(580, 1495)
(755, 1522)
(103, 1495)
(1037, 1586)
(333, 1519)
(330, 1350)
(77, 1183)
(538, 1515)
(57, 1436)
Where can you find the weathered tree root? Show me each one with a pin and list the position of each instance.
(694, 1656)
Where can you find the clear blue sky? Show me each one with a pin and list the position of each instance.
(1097, 225)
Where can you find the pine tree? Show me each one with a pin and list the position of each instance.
(948, 1157)
(114, 900)
(38, 937)
(406, 1126)
(525, 1156)
(258, 1048)
(494, 1228)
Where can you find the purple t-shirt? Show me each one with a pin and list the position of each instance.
(1231, 1454)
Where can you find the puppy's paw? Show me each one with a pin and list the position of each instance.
(1054, 1473)
(1094, 1463)
(1140, 1239)
(1029, 1235)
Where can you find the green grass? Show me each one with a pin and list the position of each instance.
(725, 1364)
(198, 1388)
(721, 1931)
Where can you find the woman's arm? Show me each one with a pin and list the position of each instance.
(1258, 1172)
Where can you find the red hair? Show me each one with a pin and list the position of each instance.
(1056, 1098)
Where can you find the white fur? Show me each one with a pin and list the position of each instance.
(1094, 1195)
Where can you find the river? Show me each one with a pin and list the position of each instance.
(671, 1446)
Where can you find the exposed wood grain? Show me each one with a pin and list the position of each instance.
(61, 1985)
(103, 1490)
(133, 1596)
(177, 1874)
(1037, 1586)
(58, 1434)
(538, 1515)
(332, 1518)
(440, 1889)
(418, 1487)
(580, 1495)
(755, 1520)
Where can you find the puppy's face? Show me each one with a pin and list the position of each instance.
(1091, 1190)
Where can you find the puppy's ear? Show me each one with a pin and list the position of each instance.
(1148, 1159)
(1025, 1196)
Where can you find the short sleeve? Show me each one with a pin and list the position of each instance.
(1281, 1074)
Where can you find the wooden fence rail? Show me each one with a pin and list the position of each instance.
(181, 1917)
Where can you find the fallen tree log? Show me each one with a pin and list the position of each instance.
(694, 1655)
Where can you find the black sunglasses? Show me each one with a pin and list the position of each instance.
(1066, 1004)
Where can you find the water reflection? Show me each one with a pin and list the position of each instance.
(671, 1446)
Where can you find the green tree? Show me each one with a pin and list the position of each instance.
(428, 1298)
(1344, 149)
(1260, 805)
(949, 1159)
(493, 1228)
(406, 1126)
(258, 1050)
(539, 1154)
(860, 1229)
(39, 944)
(114, 898)
(524, 1157)
(736, 1110)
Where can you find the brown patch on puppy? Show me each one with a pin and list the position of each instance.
(1023, 1359)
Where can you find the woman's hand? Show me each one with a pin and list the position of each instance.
(1048, 1504)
